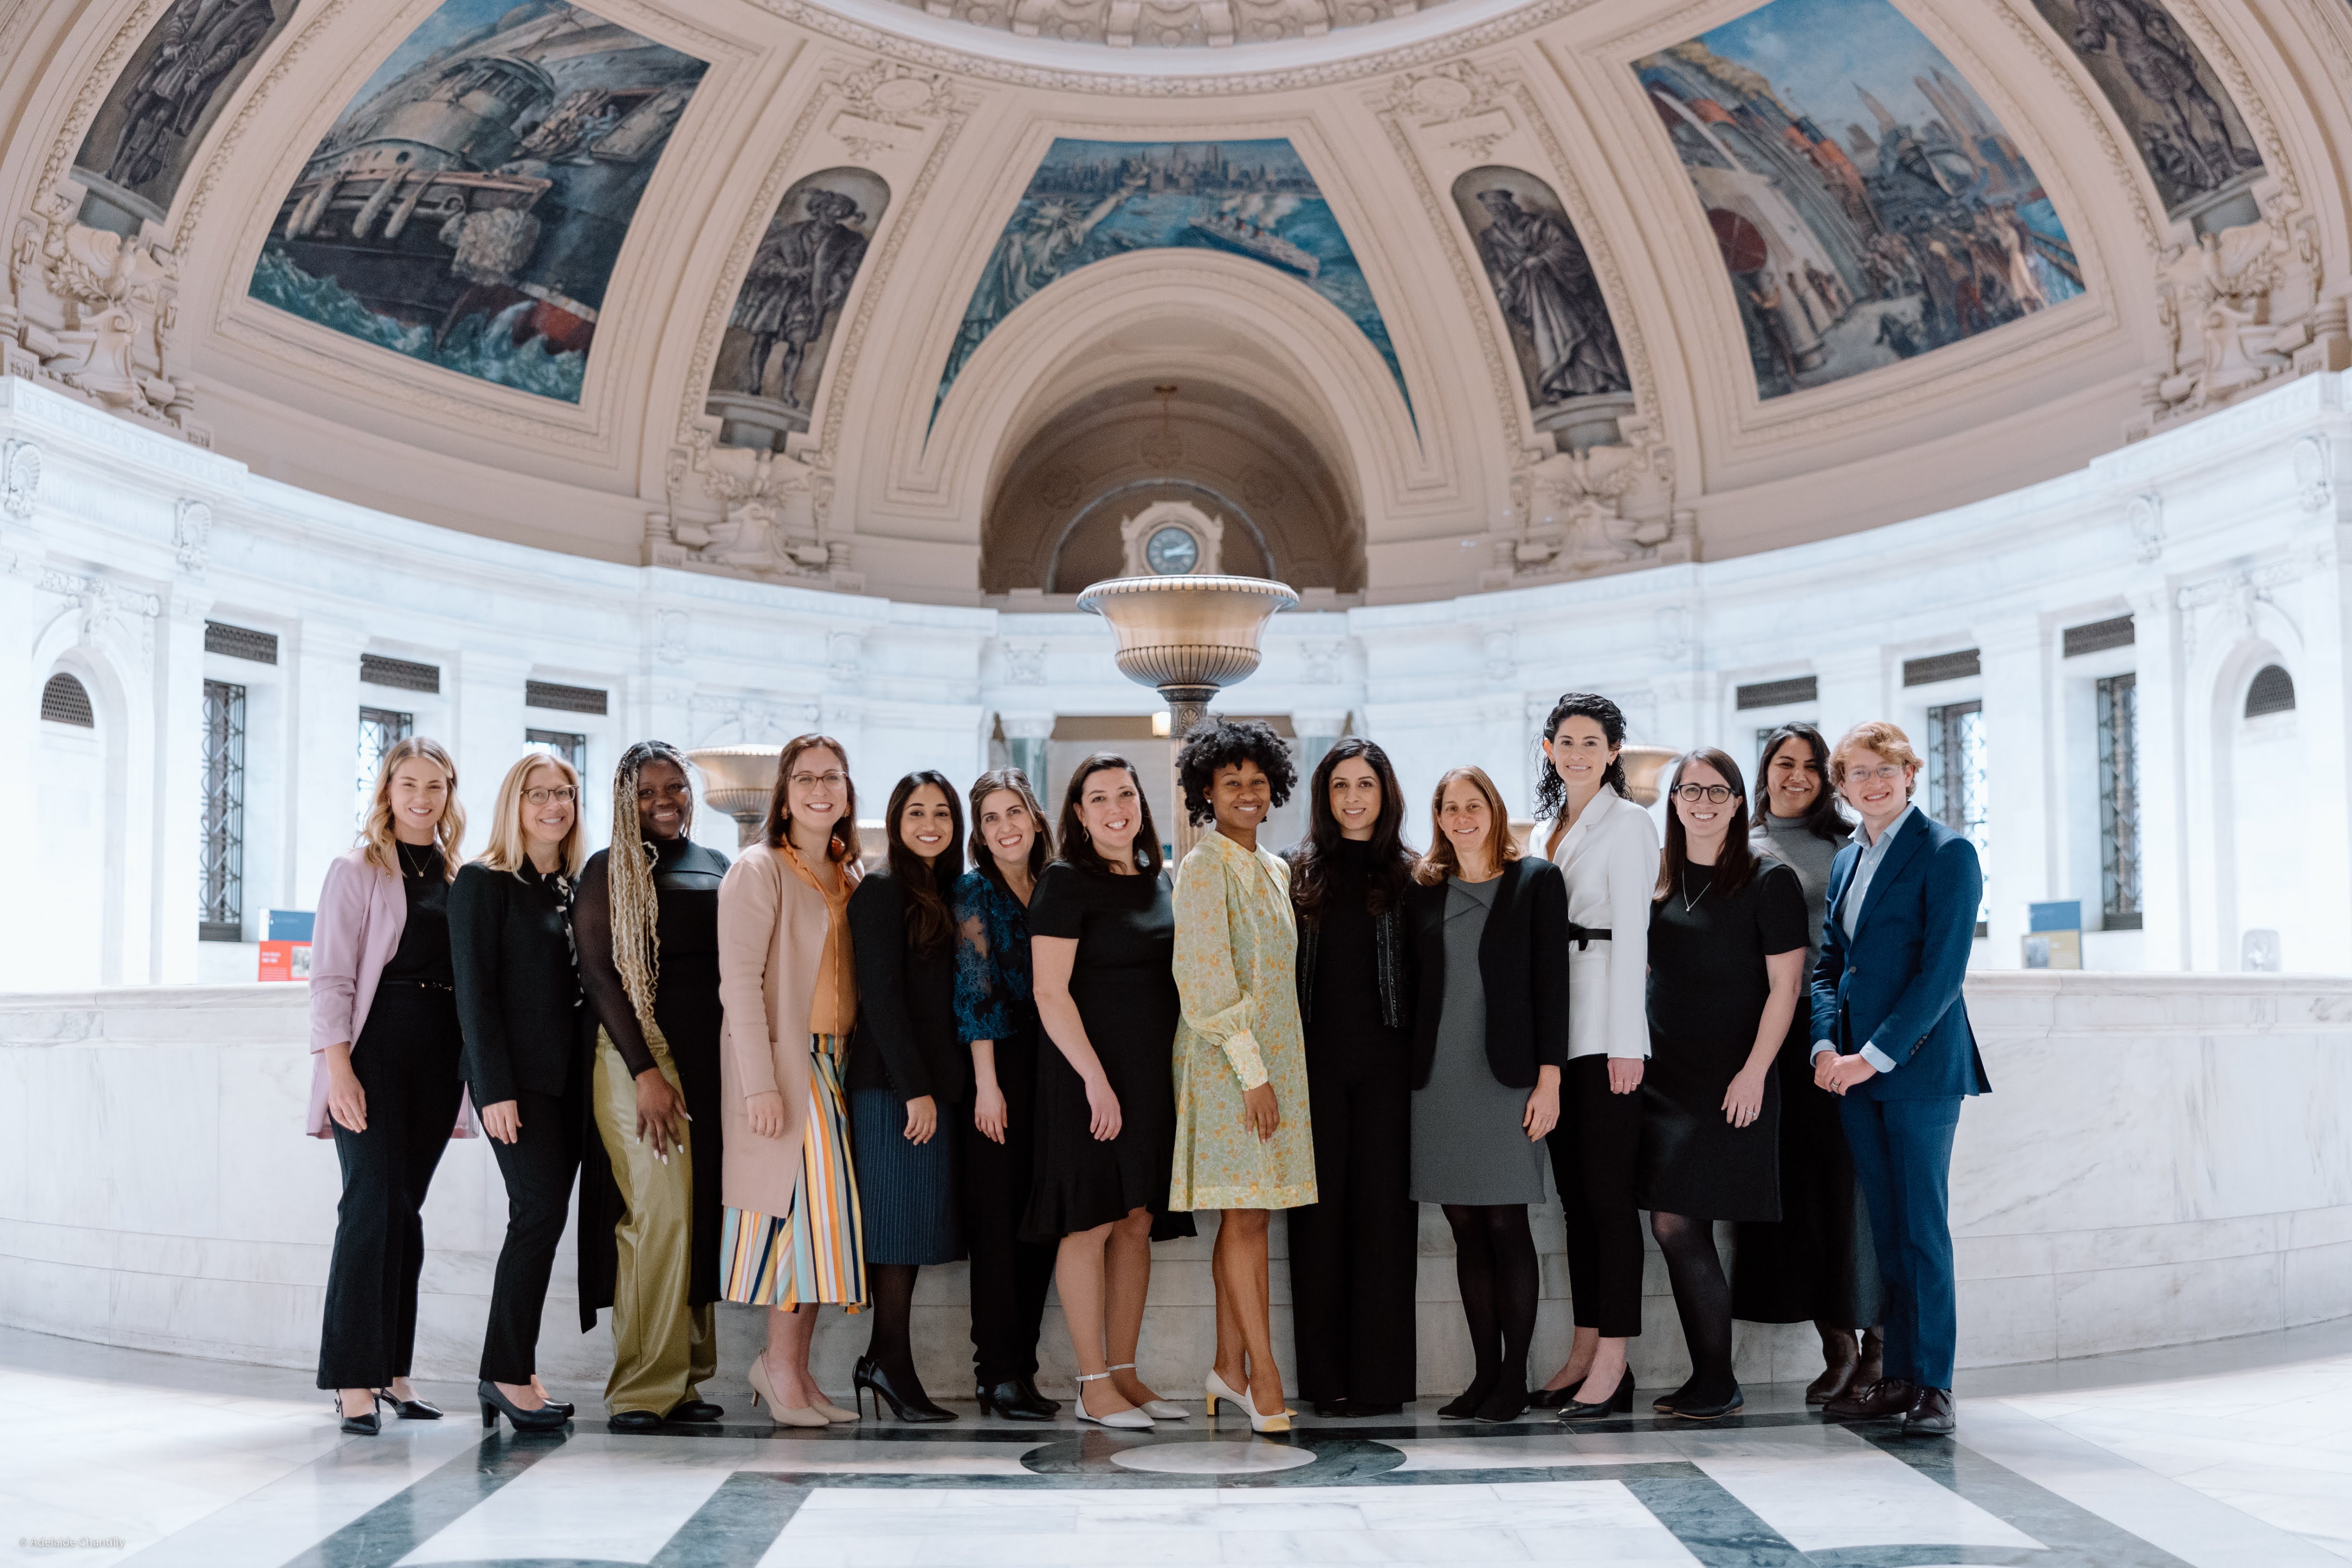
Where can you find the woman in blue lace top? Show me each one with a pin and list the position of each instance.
(996, 1017)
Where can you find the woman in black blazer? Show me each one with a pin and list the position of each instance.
(907, 1074)
(518, 1002)
(1490, 1038)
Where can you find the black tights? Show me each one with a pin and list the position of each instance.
(1703, 1301)
(891, 1345)
(1495, 1264)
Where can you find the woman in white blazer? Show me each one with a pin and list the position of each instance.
(1607, 847)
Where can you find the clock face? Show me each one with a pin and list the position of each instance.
(1171, 551)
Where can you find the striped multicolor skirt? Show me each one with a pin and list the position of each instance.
(816, 1252)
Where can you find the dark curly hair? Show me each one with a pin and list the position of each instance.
(1551, 791)
(1226, 743)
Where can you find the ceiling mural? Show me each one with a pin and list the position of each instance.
(772, 358)
(1869, 207)
(2196, 148)
(1089, 200)
(188, 66)
(1543, 281)
(468, 207)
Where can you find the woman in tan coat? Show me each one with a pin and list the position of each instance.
(788, 979)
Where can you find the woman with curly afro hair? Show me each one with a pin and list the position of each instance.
(1242, 1142)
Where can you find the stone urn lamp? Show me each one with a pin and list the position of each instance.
(738, 780)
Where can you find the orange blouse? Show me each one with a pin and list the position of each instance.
(833, 1008)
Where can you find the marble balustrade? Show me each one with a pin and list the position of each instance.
(2163, 1161)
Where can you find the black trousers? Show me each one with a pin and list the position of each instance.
(1593, 1151)
(1008, 1276)
(406, 1062)
(1353, 1253)
(538, 1166)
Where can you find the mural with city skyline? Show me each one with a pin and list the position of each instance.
(1869, 207)
(1089, 200)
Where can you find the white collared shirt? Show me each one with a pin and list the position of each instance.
(1609, 861)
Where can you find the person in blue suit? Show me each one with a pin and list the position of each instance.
(1891, 1037)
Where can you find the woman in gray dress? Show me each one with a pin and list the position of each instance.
(1490, 1038)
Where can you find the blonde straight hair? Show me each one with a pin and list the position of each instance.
(449, 833)
(509, 846)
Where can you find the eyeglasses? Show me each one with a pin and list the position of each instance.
(546, 793)
(810, 780)
(1714, 795)
(1886, 773)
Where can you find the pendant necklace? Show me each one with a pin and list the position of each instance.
(1688, 902)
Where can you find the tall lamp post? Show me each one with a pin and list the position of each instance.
(1188, 637)
(738, 781)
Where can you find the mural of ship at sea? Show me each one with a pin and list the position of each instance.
(2162, 85)
(1569, 356)
(169, 94)
(771, 357)
(468, 206)
(1089, 200)
(1918, 226)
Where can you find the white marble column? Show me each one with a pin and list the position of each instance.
(319, 814)
(2021, 777)
(487, 722)
(2165, 888)
(175, 823)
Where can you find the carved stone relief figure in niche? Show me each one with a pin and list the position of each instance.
(172, 90)
(2161, 85)
(763, 384)
(1565, 343)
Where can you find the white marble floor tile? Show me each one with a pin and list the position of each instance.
(615, 1505)
(882, 1456)
(1858, 1499)
(1535, 1453)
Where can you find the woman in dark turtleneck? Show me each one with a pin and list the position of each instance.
(1353, 1254)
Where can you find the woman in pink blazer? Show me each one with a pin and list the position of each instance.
(385, 1045)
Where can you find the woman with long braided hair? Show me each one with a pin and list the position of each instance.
(648, 921)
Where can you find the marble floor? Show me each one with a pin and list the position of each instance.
(2237, 1454)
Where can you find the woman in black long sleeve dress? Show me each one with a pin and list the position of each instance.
(518, 1003)
(1352, 1252)
(647, 921)
(906, 1077)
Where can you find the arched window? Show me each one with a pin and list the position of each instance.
(2273, 692)
(64, 700)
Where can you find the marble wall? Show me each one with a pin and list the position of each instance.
(2163, 1160)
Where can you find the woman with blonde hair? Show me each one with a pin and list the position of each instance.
(788, 978)
(519, 1003)
(385, 1042)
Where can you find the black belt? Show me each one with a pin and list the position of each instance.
(1585, 936)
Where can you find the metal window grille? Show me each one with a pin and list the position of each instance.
(2119, 803)
(2098, 636)
(241, 642)
(557, 743)
(1780, 693)
(65, 700)
(1942, 667)
(1956, 780)
(2273, 692)
(400, 674)
(564, 698)
(379, 728)
(220, 916)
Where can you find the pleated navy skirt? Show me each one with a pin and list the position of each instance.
(906, 1191)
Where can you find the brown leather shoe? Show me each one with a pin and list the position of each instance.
(1930, 1415)
(1874, 1359)
(1889, 1396)
(1840, 1360)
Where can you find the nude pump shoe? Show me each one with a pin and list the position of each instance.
(777, 1412)
(1217, 1388)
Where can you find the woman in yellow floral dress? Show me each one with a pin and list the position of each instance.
(1243, 1143)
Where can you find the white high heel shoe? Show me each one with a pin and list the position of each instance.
(1218, 1389)
(1157, 1409)
(1130, 1419)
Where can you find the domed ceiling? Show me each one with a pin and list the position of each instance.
(875, 294)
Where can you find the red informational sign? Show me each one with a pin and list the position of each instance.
(285, 960)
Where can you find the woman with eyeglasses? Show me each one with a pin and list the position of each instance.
(1727, 969)
(518, 1003)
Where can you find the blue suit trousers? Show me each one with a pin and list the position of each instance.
(1903, 1163)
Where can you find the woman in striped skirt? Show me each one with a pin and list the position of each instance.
(787, 974)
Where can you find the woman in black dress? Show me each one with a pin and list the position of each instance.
(647, 921)
(1353, 1251)
(1727, 963)
(906, 1078)
(1102, 942)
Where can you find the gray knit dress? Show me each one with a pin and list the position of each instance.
(1468, 1146)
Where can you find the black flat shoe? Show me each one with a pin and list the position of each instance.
(634, 1420)
(1463, 1406)
(1014, 1400)
(410, 1410)
(1333, 1409)
(1687, 1409)
(365, 1425)
(907, 1404)
(692, 1410)
(1508, 1402)
(546, 1418)
(1619, 1402)
(1930, 1415)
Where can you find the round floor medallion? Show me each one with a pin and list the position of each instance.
(1212, 1458)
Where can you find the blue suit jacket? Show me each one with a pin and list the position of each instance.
(1895, 982)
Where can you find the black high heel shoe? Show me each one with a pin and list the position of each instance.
(1015, 1400)
(409, 1409)
(365, 1425)
(910, 1403)
(1618, 1403)
(546, 1418)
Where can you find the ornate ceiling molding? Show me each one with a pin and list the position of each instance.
(1167, 24)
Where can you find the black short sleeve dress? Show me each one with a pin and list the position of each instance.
(1124, 984)
(1707, 990)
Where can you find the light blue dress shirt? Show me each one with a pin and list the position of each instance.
(1856, 891)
